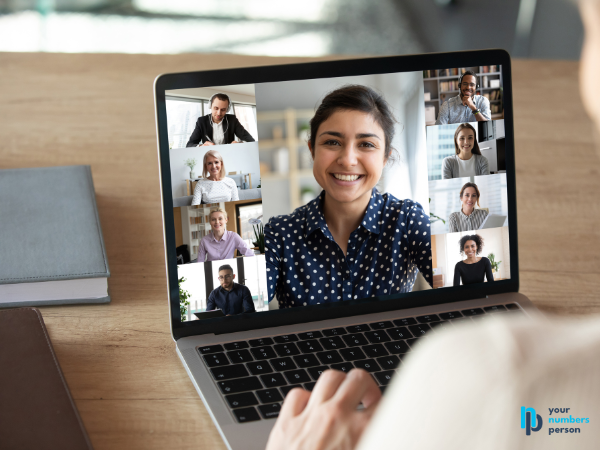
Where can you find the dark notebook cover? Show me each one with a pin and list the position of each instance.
(36, 408)
(50, 229)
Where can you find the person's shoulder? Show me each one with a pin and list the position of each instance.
(485, 261)
(392, 203)
(229, 181)
(297, 217)
(449, 159)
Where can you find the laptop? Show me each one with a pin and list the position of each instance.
(262, 298)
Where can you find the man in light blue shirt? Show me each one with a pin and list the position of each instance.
(465, 107)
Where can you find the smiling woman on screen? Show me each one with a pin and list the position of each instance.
(468, 218)
(468, 160)
(474, 268)
(351, 241)
(215, 186)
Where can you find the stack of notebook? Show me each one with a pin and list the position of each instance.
(51, 246)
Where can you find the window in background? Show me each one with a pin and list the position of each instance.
(182, 115)
(244, 214)
(246, 114)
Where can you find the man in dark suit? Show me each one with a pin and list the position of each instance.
(218, 127)
(231, 298)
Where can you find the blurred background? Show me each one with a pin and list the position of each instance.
(526, 28)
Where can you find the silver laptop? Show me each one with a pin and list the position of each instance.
(262, 298)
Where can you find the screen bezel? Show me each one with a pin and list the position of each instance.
(331, 69)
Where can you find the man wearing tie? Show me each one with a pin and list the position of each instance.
(218, 127)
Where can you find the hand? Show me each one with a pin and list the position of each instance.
(468, 101)
(327, 418)
(207, 143)
(236, 142)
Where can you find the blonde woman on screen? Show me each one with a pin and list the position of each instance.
(214, 187)
(221, 244)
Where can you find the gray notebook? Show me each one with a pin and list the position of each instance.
(51, 245)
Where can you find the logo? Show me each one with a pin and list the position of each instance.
(530, 421)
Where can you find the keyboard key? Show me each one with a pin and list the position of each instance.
(332, 343)
(374, 350)
(269, 396)
(263, 353)
(240, 356)
(381, 325)
(309, 386)
(306, 361)
(310, 335)
(240, 400)
(388, 362)
(236, 345)
(419, 330)
(334, 332)
(210, 349)
(382, 389)
(297, 376)
(355, 340)
(330, 357)
(246, 415)
(315, 372)
(270, 411)
(286, 389)
(239, 385)
(370, 365)
(450, 315)
(259, 367)
(428, 318)
(310, 346)
(376, 337)
(512, 306)
(227, 372)
(260, 342)
(216, 359)
(273, 380)
(495, 308)
(461, 320)
(281, 364)
(405, 322)
(343, 367)
(286, 349)
(399, 333)
(397, 347)
(385, 377)
(285, 338)
(358, 328)
(472, 312)
(352, 354)
(411, 342)
(442, 324)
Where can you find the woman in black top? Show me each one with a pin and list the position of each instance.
(472, 269)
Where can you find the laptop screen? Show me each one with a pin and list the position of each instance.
(321, 191)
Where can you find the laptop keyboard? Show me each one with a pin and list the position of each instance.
(254, 376)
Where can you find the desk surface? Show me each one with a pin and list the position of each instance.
(119, 359)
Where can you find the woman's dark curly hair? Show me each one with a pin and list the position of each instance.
(356, 97)
(472, 237)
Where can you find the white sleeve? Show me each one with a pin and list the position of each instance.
(234, 191)
(463, 388)
(197, 194)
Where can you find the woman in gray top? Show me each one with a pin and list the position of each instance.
(468, 161)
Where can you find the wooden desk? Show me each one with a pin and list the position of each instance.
(119, 359)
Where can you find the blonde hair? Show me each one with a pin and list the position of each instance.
(219, 210)
(217, 155)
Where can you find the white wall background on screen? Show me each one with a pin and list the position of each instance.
(496, 241)
(445, 197)
(237, 157)
(283, 192)
(184, 106)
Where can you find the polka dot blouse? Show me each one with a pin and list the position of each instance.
(305, 266)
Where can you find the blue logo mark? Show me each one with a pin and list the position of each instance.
(530, 420)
